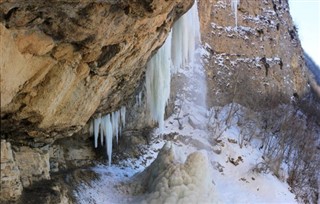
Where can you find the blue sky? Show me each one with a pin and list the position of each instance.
(306, 15)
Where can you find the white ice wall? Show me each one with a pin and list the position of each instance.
(177, 52)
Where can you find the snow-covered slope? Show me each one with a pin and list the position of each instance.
(234, 170)
(234, 176)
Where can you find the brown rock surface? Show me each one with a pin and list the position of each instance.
(62, 62)
(258, 64)
(11, 187)
(33, 164)
(72, 152)
(72, 59)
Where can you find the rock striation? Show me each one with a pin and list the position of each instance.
(258, 63)
(11, 186)
(63, 62)
(74, 59)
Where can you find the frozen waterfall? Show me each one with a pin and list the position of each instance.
(234, 7)
(185, 37)
(177, 52)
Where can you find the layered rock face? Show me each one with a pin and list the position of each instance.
(259, 63)
(62, 62)
(11, 186)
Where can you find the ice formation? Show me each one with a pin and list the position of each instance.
(96, 126)
(177, 51)
(108, 126)
(234, 7)
(140, 98)
(123, 116)
(158, 82)
(168, 181)
(185, 37)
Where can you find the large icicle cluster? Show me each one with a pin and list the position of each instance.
(185, 37)
(108, 126)
(177, 51)
(158, 82)
(234, 7)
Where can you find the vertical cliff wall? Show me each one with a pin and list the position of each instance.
(62, 62)
(258, 63)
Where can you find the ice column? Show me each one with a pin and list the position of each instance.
(158, 82)
(109, 135)
(185, 36)
(178, 51)
(234, 7)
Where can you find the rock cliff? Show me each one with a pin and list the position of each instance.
(61, 63)
(258, 63)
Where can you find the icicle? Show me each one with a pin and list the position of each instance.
(158, 82)
(178, 47)
(234, 7)
(123, 116)
(140, 98)
(184, 39)
(115, 124)
(109, 136)
(177, 52)
(158, 78)
(103, 129)
(110, 126)
(97, 122)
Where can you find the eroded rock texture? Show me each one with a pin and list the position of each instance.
(61, 62)
(258, 64)
(11, 186)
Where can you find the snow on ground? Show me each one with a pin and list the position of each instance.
(233, 183)
(233, 175)
(104, 190)
(109, 188)
(231, 167)
(234, 180)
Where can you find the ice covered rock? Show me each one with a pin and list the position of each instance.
(167, 181)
